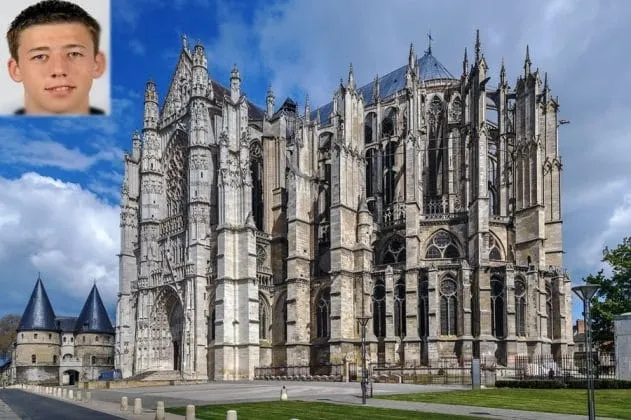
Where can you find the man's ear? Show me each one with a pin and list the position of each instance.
(99, 65)
(14, 70)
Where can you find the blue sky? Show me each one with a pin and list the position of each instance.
(59, 181)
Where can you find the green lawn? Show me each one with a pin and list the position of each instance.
(307, 411)
(609, 402)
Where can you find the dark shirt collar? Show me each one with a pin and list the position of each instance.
(93, 111)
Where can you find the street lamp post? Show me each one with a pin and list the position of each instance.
(363, 321)
(586, 292)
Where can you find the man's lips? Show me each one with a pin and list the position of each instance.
(60, 88)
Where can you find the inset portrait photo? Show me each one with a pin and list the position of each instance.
(56, 57)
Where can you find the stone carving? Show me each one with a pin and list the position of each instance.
(199, 161)
(455, 111)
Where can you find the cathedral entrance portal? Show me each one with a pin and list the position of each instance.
(166, 331)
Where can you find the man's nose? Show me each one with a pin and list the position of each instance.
(58, 65)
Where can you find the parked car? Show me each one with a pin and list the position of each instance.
(110, 375)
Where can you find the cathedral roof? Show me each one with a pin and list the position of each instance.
(254, 112)
(39, 314)
(429, 67)
(93, 317)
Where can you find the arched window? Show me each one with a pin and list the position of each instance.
(33, 358)
(520, 308)
(442, 246)
(379, 308)
(394, 251)
(448, 307)
(284, 313)
(497, 307)
(370, 173)
(549, 311)
(264, 318)
(54, 359)
(389, 123)
(176, 170)
(436, 150)
(494, 249)
(389, 174)
(423, 307)
(370, 128)
(93, 360)
(256, 170)
(323, 314)
(399, 309)
(493, 178)
(211, 323)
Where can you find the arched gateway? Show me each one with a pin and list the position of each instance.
(166, 331)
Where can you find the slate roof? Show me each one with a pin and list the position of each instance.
(66, 323)
(39, 314)
(429, 67)
(254, 112)
(93, 317)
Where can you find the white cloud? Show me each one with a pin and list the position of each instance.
(61, 230)
(137, 47)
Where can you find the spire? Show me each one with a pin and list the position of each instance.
(375, 90)
(39, 314)
(429, 43)
(546, 88)
(351, 77)
(151, 94)
(527, 62)
(411, 59)
(235, 84)
(93, 317)
(184, 42)
(465, 63)
(477, 45)
(502, 74)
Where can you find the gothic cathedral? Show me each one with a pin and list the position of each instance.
(258, 237)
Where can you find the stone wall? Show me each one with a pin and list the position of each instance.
(622, 338)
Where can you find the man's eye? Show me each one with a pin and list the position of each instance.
(39, 57)
(75, 54)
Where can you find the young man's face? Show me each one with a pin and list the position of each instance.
(56, 64)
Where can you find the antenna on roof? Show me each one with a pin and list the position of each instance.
(429, 43)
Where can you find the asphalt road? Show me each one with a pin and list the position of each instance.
(29, 406)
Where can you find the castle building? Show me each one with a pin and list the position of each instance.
(57, 350)
(429, 202)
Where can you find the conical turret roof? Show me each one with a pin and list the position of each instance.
(93, 317)
(39, 314)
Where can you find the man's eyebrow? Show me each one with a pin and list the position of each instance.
(66, 47)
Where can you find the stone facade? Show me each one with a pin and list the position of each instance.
(429, 202)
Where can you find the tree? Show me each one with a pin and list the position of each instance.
(614, 296)
(8, 326)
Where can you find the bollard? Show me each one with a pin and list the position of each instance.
(79, 395)
(190, 412)
(137, 406)
(88, 396)
(64, 393)
(70, 394)
(283, 393)
(124, 404)
(231, 415)
(160, 411)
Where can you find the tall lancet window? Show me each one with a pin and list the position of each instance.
(436, 149)
(399, 308)
(493, 179)
(176, 170)
(264, 318)
(323, 314)
(389, 123)
(389, 174)
(370, 128)
(497, 307)
(448, 307)
(520, 308)
(256, 169)
(379, 308)
(370, 173)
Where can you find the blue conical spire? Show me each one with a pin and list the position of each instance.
(93, 317)
(39, 314)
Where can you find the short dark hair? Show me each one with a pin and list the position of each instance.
(47, 12)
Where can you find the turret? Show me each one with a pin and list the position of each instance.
(503, 75)
(465, 64)
(351, 77)
(135, 146)
(527, 62)
(151, 106)
(307, 110)
(200, 71)
(235, 84)
(270, 102)
(478, 45)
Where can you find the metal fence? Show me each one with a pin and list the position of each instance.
(564, 367)
(306, 373)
